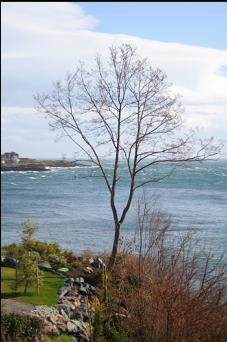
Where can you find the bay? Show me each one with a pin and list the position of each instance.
(72, 206)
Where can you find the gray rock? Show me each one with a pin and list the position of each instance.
(71, 327)
(50, 329)
(88, 270)
(65, 307)
(78, 315)
(80, 325)
(62, 328)
(64, 314)
(69, 281)
(63, 290)
(97, 263)
(82, 290)
(79, 280)
(44, 267)
(92, 289)
(63, 269)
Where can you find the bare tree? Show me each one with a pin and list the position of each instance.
(127, 105)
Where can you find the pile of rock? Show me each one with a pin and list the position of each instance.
(73, 314)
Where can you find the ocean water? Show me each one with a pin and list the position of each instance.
(71, 206)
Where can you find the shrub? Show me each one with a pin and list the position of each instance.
(10, 251)
(44, 248)
(57, 261)
(170, 292)
(77, 263)
(20, 328)
(70, 256)
(116, 333)
(98, 324)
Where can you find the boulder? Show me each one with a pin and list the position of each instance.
(64, 307)
(88, 270)
(63, 290)
(69, 281)
(50, 329)
(92, 289)
(82, 290)
(63, 269)
(80, 325)
(44, 267)
(79, 280)
(97, 263)
(71, 327)
(64, 315)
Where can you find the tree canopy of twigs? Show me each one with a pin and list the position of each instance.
(126, 105)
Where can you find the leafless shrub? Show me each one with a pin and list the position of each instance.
(172, 293)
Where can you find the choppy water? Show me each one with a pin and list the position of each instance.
(71, 206)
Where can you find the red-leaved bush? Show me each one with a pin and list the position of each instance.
(171, 293)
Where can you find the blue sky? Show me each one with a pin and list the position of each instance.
(195, 23)
(41, 42)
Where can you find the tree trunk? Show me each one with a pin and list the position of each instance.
(37, 277)
(26, 288)
(115, 247)
(16, 279)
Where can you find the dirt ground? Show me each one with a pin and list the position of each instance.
(12, 305)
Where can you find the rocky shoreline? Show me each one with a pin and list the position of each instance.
(39, 165)
(28, 167)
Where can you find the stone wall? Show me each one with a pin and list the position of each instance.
(73, 315)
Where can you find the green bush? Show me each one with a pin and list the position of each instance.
(115, 333)
(45, 249)
(20, 328)
(57, 261)
(77, 263)
(10, 251)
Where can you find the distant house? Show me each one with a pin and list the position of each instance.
(10, 157)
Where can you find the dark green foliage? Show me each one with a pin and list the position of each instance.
(116, 333)
(98, 334)
(105, 331)
(20, 328)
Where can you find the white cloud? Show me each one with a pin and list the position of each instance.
(40, 17)
(26, 131)
(42, 41)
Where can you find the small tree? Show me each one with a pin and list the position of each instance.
(27, 270)
(27, 234)
(127, 106)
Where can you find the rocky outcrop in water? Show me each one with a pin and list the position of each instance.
(27, 164)
(27, 167)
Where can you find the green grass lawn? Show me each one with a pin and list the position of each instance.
(47, 296)
(62, 338)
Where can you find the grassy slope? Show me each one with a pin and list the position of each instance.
(47, 296)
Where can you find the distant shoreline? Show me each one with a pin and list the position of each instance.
(26, 164)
